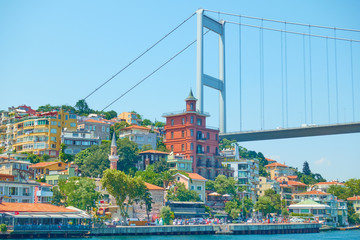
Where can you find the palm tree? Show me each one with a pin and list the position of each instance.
(167, 178)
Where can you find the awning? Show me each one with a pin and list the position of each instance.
(49, 215)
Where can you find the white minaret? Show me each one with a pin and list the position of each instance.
(113, 157)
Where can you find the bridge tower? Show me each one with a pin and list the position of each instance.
(203, 79)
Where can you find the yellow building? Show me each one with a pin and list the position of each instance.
(41, 134)
(193, 181)
(130, 118)
(43, 168)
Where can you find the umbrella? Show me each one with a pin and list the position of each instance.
(226, 195)
(214, 194)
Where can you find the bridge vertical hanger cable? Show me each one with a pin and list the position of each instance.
(328, 77)
(336, 79)
(352, 80)
(304, 66)
(240, 72)
(311, 83)
(282, 79)
(286, 82)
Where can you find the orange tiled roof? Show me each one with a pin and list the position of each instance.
(270, 160)
(296, 183)
(329, 183)
(6, 158)
(6, 175)
(42, 164)
(275, 165)
(314, 192)
(136, 127)
(96, 121)
(153, 187)
(292, 177)
(31, 207)
(354, 198)
(153, 151)
(284, 185)
(196, 176)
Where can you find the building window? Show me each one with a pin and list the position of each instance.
(53, 145)
(107, 129)
(191, 106)
(191, 146)
(59, 116)
(172, 135)
(192, 119)
(53, 123)
(66, 117)
(182, 147)
(172, 122)
(183, 121)
(199, 121)
(53, 130)
(172, 148)
(103, 128)
(198, 188)
(192, 132)
(207, 135)
(207, 149)
(182, 133)
(216, 137)
(53, 139)
(192, 188)
(94, 128)
(72, 124)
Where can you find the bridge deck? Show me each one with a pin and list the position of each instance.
(308, 131)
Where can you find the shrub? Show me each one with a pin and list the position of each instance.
(3, 228)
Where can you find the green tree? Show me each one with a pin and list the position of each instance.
(161, 166)
(147, 199)
(146, 122)
(225, 185)
(150, 176)
(354, 186)
(210, 185)
(95, 164)
(47, 108)
(234, 214)
(110, 114)
(178, 192)
(59, 198)
(269, 203)
(128, 154)
(342, 192)
(166, 214)
(306, 169)
(167, 178)
(353, 217)
(80, 192)
(224, 144)
(230, 205)
(44, 157)
(33, 158)
(82, 107)
(123, 187)
(160, 145)
(68, 108)
(159, 124)
(64, 157)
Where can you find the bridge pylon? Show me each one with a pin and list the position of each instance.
(203, 79)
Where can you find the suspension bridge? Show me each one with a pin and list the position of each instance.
(308, 43)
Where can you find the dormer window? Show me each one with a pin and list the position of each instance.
(192, 106)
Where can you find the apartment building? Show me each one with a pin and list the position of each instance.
(76, 141)
(187, 134)
(100, 128)
(277, 170)
(130, 117)
(140, 135)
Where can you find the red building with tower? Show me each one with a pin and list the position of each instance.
(187, 134)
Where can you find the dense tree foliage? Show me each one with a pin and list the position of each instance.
(269, 203)
(150, 176)
(117, 127)
(166, 214)
(178, 192)
(78, 192)
(33, 158)
(160, 145)
(123, 188)
(306, 169)
(237, 206)
(222, 185)
(146, 147)
(161, 166)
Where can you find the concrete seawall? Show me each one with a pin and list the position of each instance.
(236, 229)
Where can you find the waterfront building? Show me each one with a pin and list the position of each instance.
(310, 207)
(130, 117)
(43, 168)
(277, 170)
(186, 210)
(324, 186)
(266, 184)
(150, 157)
(355, 200)
(20, 192)
(19, 169)
(342, 213)
(179, 162)
(43, 193)
(140, 135)
(100, 128)
(187, 134)
(193, 181)
(246, 173)
(289, 187)
(76, 141)
(322, 198)
(43, 218)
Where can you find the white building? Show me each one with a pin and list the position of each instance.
(20, 192)
(140, 135)
(79, 140)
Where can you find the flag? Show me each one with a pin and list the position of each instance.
(16, 213)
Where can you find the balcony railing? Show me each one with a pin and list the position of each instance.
(184, 111)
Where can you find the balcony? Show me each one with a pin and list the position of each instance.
(168, 114)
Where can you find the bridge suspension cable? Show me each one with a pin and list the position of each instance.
(336, 79)
(278, 21)
(149, 75)
(286, 83)
(352, 80)
(311, 84)
(328, 76)
(304, 70)
(138, 57)
(240, 72)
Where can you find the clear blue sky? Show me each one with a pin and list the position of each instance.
(57, 52)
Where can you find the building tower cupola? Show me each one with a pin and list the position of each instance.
(190, 102)
(113, 157)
